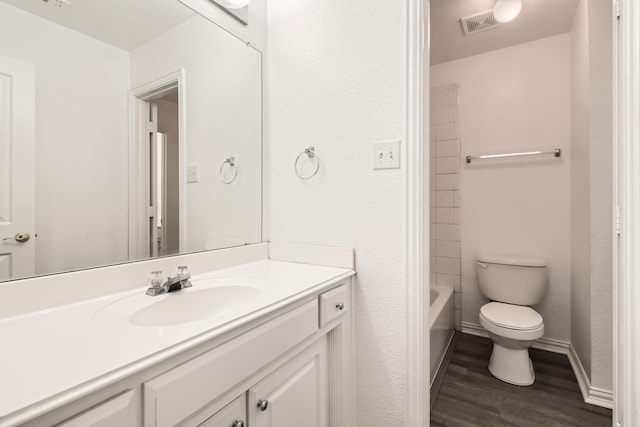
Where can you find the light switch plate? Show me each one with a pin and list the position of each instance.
(192, 174)
(386, 155)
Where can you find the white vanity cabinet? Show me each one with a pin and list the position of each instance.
(286, 366)
(183, 392)
(276, 375)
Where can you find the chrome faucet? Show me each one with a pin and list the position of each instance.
(173, 283)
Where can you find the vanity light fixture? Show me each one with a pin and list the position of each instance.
(507, 10)
(234, 4)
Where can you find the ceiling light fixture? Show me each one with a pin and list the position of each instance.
(234, 4)
(507, 10)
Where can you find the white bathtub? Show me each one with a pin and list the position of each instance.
(441, 324)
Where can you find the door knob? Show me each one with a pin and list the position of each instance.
(19, 237)
(340, 306)
(263, 404)
(238, 423)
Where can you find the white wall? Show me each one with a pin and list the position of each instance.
(592, 189)
(81, 141)
(516, 99)
(223, 104)
(601, 160)
(580, 189)
(335, 80)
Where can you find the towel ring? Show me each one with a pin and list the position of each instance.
(310, 152)
(231, 161)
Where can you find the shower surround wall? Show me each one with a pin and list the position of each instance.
(445, 191)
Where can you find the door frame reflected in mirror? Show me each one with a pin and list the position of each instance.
(140, 234)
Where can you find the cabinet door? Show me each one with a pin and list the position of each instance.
(294, 395)
(232, 415)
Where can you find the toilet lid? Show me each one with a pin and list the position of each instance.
(511, 316)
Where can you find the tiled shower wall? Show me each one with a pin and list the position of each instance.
(445, 191)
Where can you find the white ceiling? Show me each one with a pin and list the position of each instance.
(538, 19)
(126, 24)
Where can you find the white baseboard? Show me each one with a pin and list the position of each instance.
(592, 395)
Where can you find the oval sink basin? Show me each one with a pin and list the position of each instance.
(194, 304)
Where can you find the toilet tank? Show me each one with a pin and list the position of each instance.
(512, 280)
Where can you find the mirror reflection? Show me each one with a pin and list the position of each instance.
(128, 130)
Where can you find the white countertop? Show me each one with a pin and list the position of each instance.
(52, 357)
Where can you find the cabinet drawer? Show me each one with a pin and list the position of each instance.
(179, 393)
(334, 303)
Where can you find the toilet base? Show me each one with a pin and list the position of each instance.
(511, 365)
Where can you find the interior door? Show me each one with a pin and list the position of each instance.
(152, 210)
(17, 168)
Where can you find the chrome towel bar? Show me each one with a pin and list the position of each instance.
(556, 153)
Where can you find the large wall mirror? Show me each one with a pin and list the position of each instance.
(128, 130)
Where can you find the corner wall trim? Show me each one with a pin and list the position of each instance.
(592, 395)
(416, 232)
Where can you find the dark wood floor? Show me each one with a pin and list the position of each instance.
(470, 396)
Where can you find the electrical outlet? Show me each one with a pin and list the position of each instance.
(192, 174)
(386, 155)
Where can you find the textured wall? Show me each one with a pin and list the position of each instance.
(591, 191)
(335, 80)
(580, 189)
(601, 158)
(516, 99)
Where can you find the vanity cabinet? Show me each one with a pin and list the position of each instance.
(183, 391)
(280, 369)
(287, 368)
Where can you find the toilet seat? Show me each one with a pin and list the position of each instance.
(512, 321)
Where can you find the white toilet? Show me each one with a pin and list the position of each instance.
(512, 284)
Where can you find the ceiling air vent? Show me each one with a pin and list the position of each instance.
(479, 22)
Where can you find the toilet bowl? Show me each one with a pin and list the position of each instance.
(513, 329)
(511, 284)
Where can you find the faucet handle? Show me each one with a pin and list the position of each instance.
(155, 279)
(183, 271)
(183, 274)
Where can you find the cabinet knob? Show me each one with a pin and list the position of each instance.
(238, 423)
(340, 306)
(263, 404)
